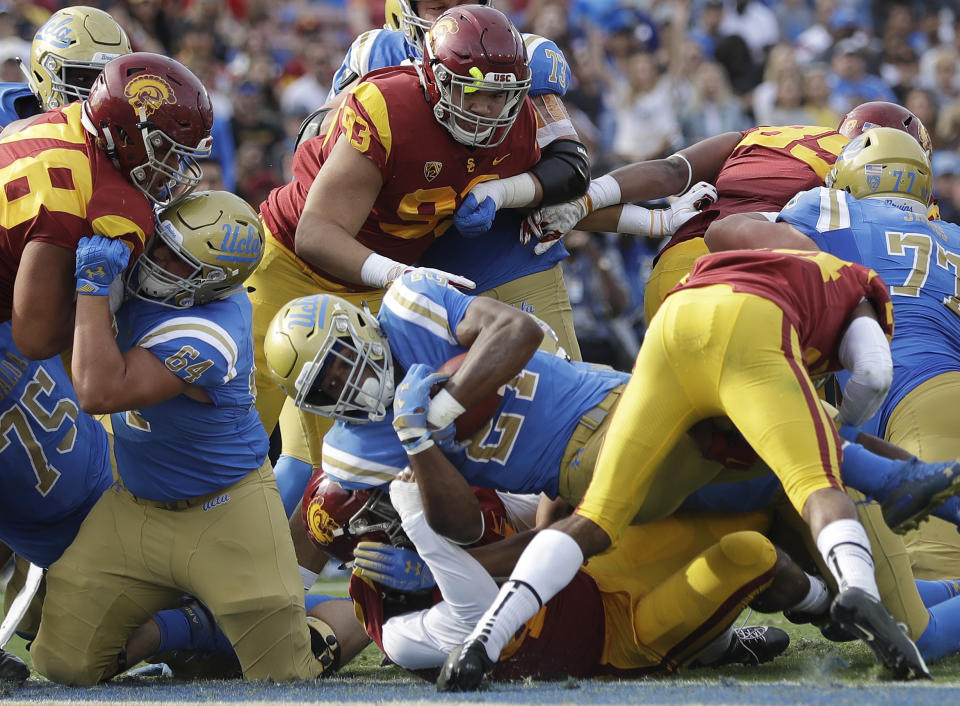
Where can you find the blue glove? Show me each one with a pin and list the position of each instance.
(410, 404)
(472, 218)
(100, 260)
(394, 567)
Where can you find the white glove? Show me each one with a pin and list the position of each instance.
(550, 223)
(698, 197)
(405, 498)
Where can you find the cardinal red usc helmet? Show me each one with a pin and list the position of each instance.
(474, 48)
(884, 114)
(338, 519)
(154, 117)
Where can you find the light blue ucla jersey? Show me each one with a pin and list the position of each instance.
(918, 259)
(520, 448)
(54, 458)
(182, 448)
(16, 101)
(497, 256)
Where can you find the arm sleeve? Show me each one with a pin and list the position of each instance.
(865, 352)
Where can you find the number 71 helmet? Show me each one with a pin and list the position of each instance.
(215, 242)
(310, 333)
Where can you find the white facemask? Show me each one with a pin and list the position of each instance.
(369, 393)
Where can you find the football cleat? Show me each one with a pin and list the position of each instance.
(917, 490)
(465, 668)
(752, 645)
(12, 668)
(829, 629)
(864, 616)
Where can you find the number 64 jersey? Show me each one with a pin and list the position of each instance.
(54, 458)
(918, 259)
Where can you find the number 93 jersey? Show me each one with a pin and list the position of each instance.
(182, 448)
(54, 458)
(918, 259)
(519, 449)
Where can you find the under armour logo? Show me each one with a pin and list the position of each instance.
(97, 272)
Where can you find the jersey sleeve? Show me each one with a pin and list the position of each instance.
(365, 121)
(197, 350)
(363, 455)
(550, 72)
(823, 215)
(420, 314)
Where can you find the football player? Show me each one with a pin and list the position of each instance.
(756, 170)
(874, 211)
(395, 170)
(738, 338)
(195, 510)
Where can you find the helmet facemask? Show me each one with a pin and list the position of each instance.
(172, 170)
(368, 390)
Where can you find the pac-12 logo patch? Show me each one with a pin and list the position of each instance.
(149, 92)
(431, 170)
(320, 524)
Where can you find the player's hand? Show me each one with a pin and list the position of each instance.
(476, 213)
(99, 262)
(456, 280)
(550, 223)
(410, 404)
(698, 197)
(394, 567)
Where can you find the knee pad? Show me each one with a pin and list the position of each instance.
(324, 645)
(748, 549)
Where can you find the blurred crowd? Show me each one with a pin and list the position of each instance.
(650, 77)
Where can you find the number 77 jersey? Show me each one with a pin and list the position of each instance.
(918, 259)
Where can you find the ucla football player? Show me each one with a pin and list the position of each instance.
(195, 510)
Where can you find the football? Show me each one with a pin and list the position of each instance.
(477, 416)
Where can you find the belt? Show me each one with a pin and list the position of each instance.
(175, 505)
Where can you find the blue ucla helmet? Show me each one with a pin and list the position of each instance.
(215, 242)
(312, 334)
(883, 162)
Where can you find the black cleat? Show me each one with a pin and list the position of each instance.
(465, 668)
(753, 645)
(829, 629)
(864, 616)
(915, 491)
(12, 668)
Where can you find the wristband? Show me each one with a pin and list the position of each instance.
(603, 191)
(443, 410)
(378, 271)
(638, 220)
(689, 172)
(417, 445)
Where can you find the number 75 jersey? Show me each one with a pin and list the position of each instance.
(918, 259)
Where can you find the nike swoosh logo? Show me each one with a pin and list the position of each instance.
(497, 160)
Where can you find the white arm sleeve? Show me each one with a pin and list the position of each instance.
(425, 638)
(865, 352)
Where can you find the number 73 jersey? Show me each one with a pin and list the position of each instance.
(918, 259)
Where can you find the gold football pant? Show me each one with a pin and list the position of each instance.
(673, 586)
(927, 423)
(711, 352)
(131, 558)
(671, 267)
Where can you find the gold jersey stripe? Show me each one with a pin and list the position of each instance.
(370, 97)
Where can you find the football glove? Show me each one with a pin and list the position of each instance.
(698, 197)
(476, 213)
(394, 567)
(410, 404)
(456, 280)
(550, 223)
(100, 261)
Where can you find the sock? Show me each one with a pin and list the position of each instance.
(865, 471)
(846, 551)
(817, 599)
(716, 649)
(312, 600)
(190, 628)
(943, 631)
(174, 630)
(309, 578)
(934, 592)
(546, 566)
(292, 476)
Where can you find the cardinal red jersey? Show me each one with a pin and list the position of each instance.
(764, 171)
(816, 291)
(58, 187)
(426, 173)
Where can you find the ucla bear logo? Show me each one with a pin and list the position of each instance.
(148, 92)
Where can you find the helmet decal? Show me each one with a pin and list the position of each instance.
(147, 93)
(323, 528)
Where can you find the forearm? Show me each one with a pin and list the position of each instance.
(449, 505)
(98, 366)
(329, 247)
(747, 231)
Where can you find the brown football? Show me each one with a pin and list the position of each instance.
(477, 416)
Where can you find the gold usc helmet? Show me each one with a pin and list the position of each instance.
(310, 333)
(68, 53)
(219, 238)
(884, 162)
